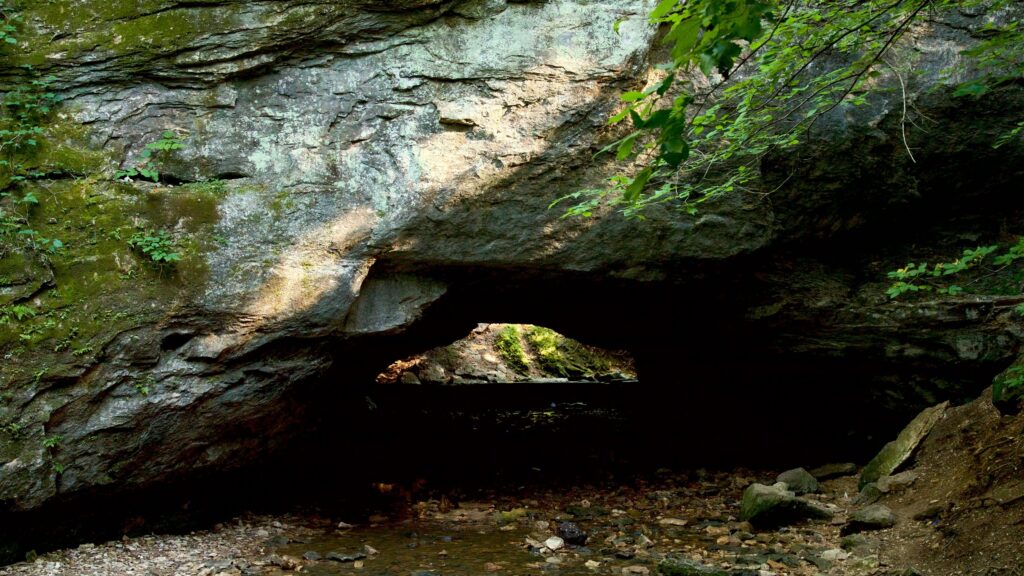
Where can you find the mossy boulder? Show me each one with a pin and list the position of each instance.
(898, 451)
(769, 506)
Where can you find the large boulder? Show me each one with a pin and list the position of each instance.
(898, 451)
(770, 506)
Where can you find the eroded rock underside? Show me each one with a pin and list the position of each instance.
(382, 176)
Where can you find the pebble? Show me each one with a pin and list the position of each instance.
(835, 554)
(554, 543)
(571, 533)
(345, 556)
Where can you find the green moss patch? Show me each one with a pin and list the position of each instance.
(97, 286)
(136, 30)
(509, 345)
(564, 357)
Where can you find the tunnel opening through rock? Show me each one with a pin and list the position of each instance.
(508, 353)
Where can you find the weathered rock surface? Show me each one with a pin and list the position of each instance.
(387, 172)
(830, 471)
(895, 453)
(798, 481)
(775, 506)
(873, 517)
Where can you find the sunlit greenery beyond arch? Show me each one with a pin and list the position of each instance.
(769, 69)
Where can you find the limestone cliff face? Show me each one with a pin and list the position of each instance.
(381, 176)
(332, 126)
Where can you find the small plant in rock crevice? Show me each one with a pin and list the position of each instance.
(51, 444)
(1009, 385)
(151, 156)
(159, 247)
(925, 277)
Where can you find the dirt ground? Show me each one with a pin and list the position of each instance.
(968, 499)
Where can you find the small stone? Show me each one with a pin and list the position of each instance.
(358, 564)
(684, 567)
(572, 534)
(370, 550)
(278, 542)
(636, 569)
(592, 564)
(625, 554)
(554, 543)
(835, 554)
(930, 512)
(896, 482)
(716, 530)
(830, 471)
(311, 556)
(865, 563)
(853, 541)
(869, 494)
(553, 560)
(345, 557)
(672, 522)
(798, 481)
(492, 567)
(531, 543)
(284, 562)
(874, 517)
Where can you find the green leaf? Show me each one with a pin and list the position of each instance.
(674, 152)
(626, 147)
(665, 84)
(663, 8)
(975, 89)
(632, 192)
(618, 117)
(658, 119)
(638, 122)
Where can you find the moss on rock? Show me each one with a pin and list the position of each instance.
(510, 347)
(99, 287)
(564, 357)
